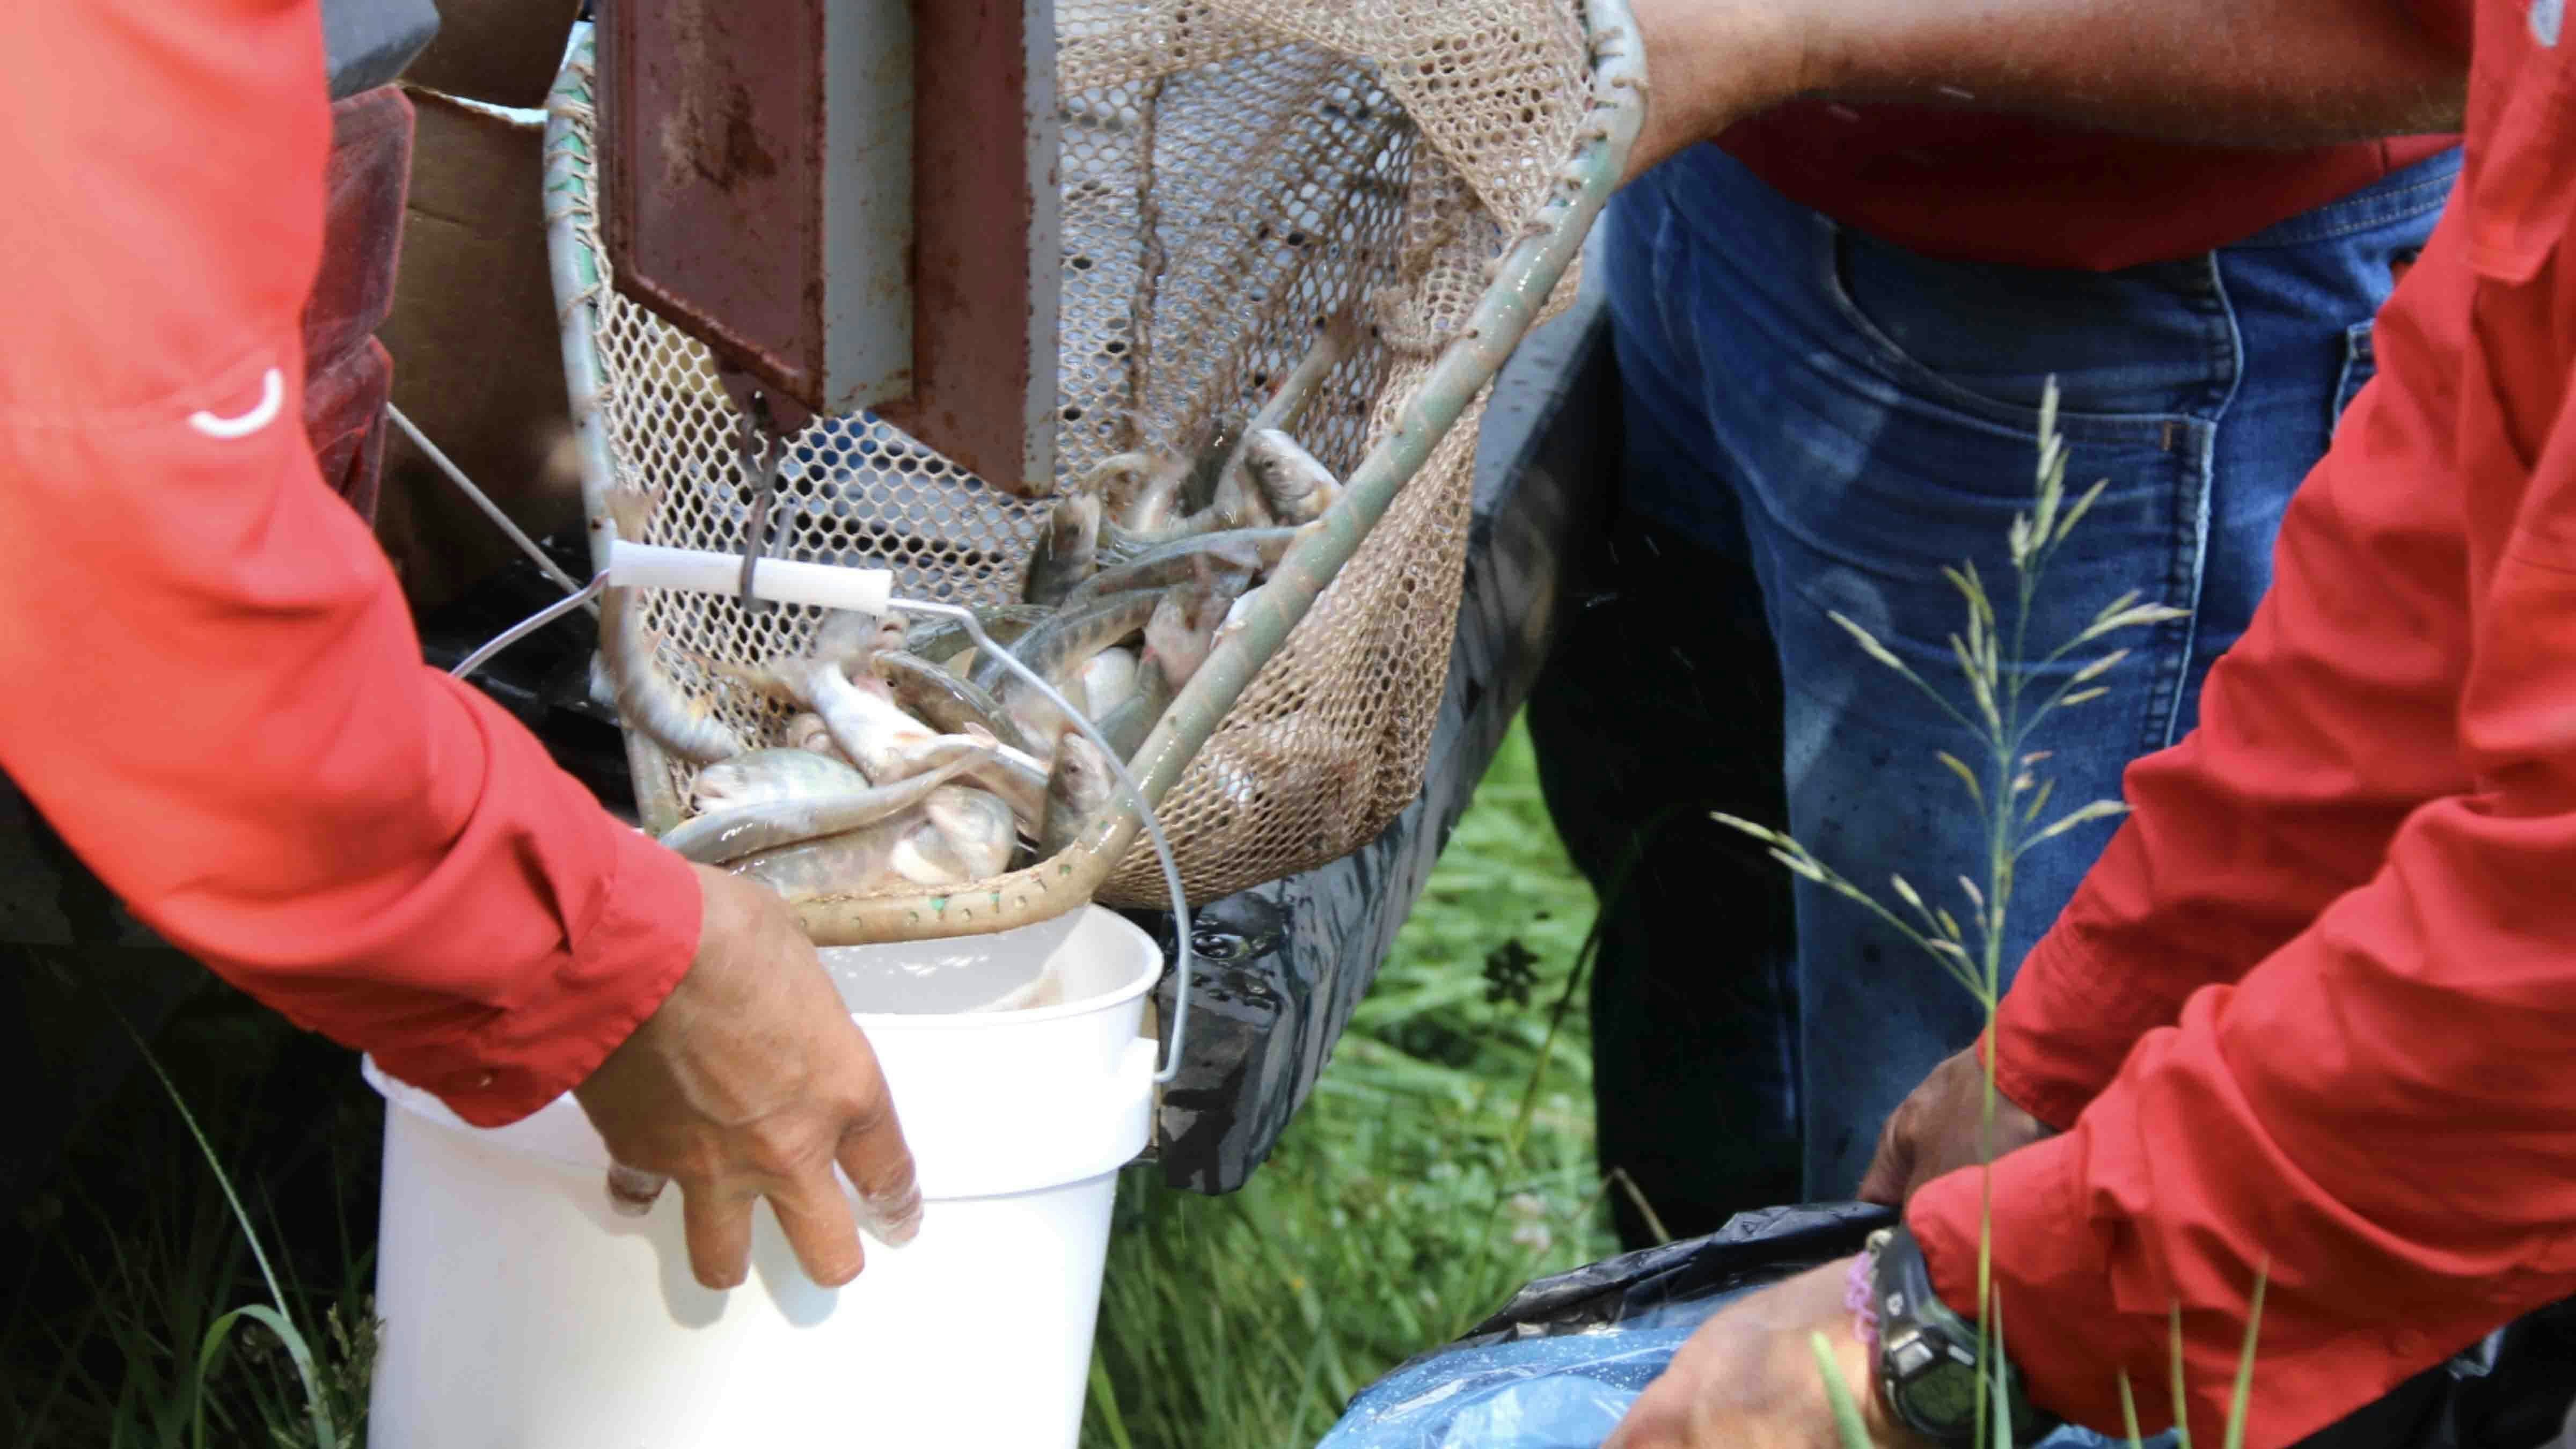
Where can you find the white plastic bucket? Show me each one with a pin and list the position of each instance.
(521, 1313)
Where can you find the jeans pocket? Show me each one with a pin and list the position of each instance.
(2360, 365)
(1983, 340)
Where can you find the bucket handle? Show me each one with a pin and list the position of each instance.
(985, 648)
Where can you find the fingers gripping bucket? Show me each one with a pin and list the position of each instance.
(520, 1312)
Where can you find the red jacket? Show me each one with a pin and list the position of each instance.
(212, 686)
(2316, 1006)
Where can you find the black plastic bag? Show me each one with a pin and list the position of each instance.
(1560, 1364)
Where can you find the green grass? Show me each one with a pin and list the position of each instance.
(134, 1311)
(1404, 1203)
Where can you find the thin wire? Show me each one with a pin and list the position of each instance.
(491, 510)
(985, 648)
(579, 598)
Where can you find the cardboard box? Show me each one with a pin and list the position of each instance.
(500, 52)
(477, 353)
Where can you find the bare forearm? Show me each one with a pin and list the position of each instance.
(2232, 72)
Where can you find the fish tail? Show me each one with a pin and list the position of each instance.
(631, 510)
(765, 679)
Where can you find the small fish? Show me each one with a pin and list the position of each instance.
(1127, 726)
(1064, 556)
(759, 776)
(860, 715)
(1114, 480)
(1177, 641)
(942, 639)
(1237, 487)
(804, 731)
(1120, 544)
(1294, 487)
(1078, 790)
(865, 861)
(1106, 682)
(646, 698)
(852, 639)
(1247, 551)
(741, 830)
(1057, 650)
(1183, 629)
(944, 701)
(1142, 489)
(1014, 775)
(1222, 516)
(1207, 474)
(976, 828)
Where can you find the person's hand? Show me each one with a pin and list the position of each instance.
(1939, 1128)
(752, 1081)
(1711, 63)
(1748, 1379)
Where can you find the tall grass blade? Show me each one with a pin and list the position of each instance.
(2001, 1423)
(2181, 1405)
(2245, 1360)
(296, 1350)
(274, 1314)
(2129, 1411)
(1104, 1405)
(1847, 1424)
(1637, 1199)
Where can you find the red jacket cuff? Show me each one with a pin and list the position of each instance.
(2061, 1327)
(634, 950)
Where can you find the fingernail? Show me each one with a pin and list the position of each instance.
(630, 1192)
(897, 1226)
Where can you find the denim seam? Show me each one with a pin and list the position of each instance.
(2403, 204)
(2164, 714)
(2358, 355)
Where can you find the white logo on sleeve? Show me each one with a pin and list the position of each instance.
(2546, 16)
(272, 396)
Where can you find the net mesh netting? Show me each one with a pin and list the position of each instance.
(1235, 173)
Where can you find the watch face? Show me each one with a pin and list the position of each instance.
(1946, 1393)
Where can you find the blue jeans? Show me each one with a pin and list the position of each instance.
(1816, 420)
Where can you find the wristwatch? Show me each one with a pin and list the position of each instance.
(1927, 1354)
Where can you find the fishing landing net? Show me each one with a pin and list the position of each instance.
(1234, 174)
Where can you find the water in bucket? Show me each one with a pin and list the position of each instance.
(521, 1313)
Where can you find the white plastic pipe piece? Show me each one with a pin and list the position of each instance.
(781, 581)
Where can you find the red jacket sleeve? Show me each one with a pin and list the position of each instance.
(215, 692)
(2383, 1110)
